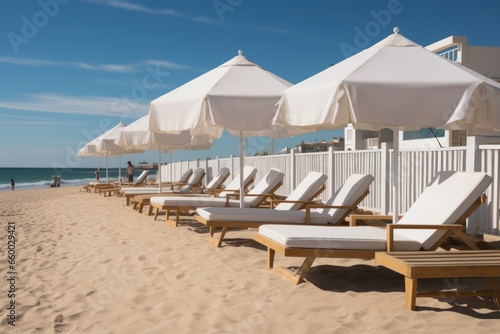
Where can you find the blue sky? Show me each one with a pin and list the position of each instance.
(70, 69)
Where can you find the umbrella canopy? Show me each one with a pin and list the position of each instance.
(238, 96)
(395, 84)
(104, 145)
(138, 136)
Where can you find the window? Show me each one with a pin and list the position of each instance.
(423, 133)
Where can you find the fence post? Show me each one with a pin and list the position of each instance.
(292, 169)
(207, 177)
(473, 164)
(232, 165)
(331, 176)
(385, 177)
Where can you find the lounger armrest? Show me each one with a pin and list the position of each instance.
(354, 218)
(457, 229)
(198, 190)
(323, 206)
(279, 201)
(237, 196)
(216, 192)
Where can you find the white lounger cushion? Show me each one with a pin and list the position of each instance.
(351, 190)
(248, 174)
(335, 237)
(195, 180)
(443, 201)
(140, 190)
(268, 183)
(260, 215)
(304, 191)
(185, 177)
(216, 181)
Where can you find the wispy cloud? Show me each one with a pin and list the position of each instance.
(279, 31)
(115, 68)
(16, 119)
(79, 105)
(132, 6)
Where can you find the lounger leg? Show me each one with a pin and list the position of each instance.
(127, 200)
(214, 241)
(156, 213)
(150, 211)
(297, 277)
(135, 205)
(175, 222)
(411, 292)
(141, 206)
(270, 258)
(494, 290)
(304, 269)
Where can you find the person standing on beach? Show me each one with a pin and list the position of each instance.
(12, 184)
(97, 175)
(129, 172)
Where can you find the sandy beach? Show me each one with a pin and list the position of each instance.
(88, 264)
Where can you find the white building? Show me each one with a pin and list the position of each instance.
(482, 59)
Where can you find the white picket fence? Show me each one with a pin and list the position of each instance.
(417, 168)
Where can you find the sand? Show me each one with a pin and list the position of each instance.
(88, 264)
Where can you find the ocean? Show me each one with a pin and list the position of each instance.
(28, 178)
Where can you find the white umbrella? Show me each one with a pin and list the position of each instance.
(238, 96)
(104, 145)
(395, 84)
(138, 136)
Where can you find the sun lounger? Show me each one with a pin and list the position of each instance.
(262, 190)
(333, 211)
(131, 192)
(108, 189)
(225, 218)
(248, 177)
(217, 183)
(195, 181)
(438, 213)
(183, 180)
(141, 180)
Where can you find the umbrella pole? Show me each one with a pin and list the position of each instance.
(395, 176)
(158, 176)
(171, 167)
(242, 192)
(107, 180)
(120, 170)
(98, 164)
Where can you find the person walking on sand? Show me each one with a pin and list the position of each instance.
(12, 184)
(129, 172)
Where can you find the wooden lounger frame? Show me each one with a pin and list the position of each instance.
(144, 199)
(186, 208)
(141, 200)
(311, 254)
(226, 225)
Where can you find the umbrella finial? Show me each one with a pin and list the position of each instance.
(396, 30)
(240, 52)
